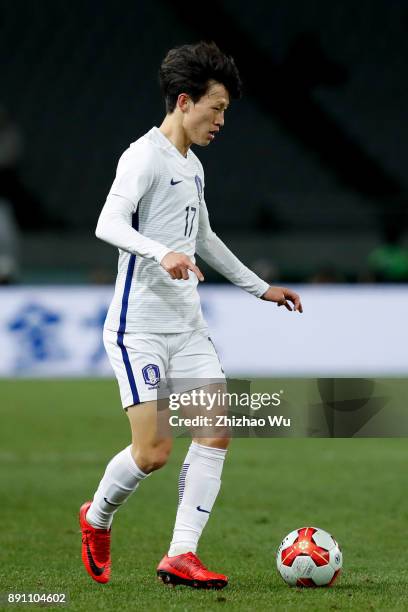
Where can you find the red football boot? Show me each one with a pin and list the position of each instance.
(188, 569)
(95, 548)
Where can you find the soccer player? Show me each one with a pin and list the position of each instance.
(156, 215)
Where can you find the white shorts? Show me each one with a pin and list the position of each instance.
(147, 365)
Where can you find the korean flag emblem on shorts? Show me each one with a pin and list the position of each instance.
(151, 375)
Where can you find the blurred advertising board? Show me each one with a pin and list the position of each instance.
(345, 330)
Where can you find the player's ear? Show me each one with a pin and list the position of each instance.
(184, 102)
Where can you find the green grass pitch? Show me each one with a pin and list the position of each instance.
(56, 438)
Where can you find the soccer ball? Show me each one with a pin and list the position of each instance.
(309, 557)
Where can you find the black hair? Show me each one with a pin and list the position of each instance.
(189, 68)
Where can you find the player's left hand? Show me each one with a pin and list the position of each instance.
(282, 296)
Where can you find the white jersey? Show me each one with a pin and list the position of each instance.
(155, 206)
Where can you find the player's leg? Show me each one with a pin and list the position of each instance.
(151, 436)
(130, 466)
(123, 474)
(137, 360)
(200, 476)
(122, 477)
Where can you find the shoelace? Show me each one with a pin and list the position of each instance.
(100, 542)
(196, 561)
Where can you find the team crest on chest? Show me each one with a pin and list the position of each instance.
(151, 375)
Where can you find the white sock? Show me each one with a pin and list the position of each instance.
(199, 483)
(121, 478)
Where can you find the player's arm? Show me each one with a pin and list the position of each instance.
(115, 227)
(213, 251)
(134, 178)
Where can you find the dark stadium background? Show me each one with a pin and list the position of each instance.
(308, 176)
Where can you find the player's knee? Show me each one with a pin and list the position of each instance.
(219, 442)
(152, 458)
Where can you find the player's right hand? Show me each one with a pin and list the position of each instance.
(178, 264)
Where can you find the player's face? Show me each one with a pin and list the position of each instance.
(206, 117)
